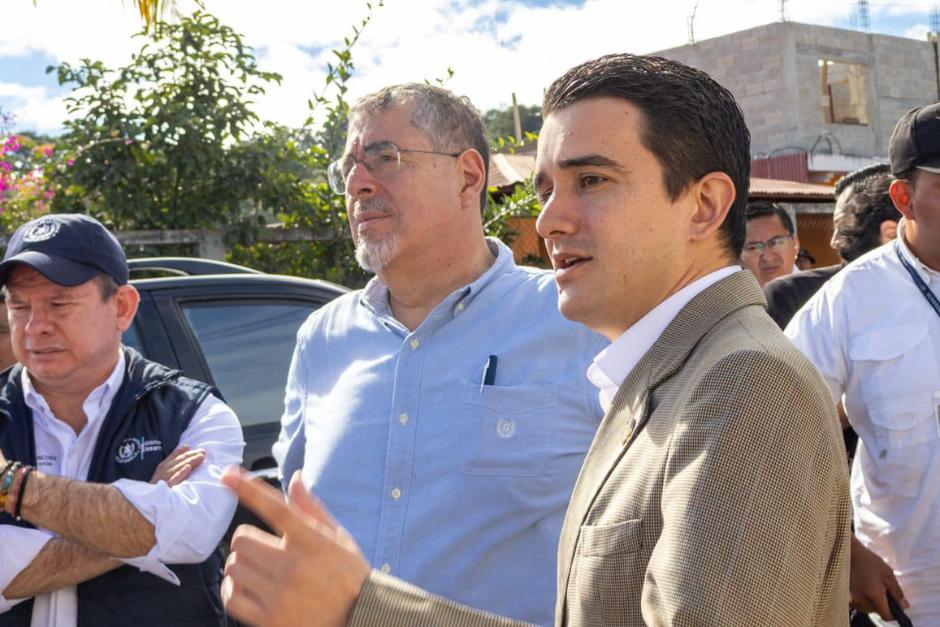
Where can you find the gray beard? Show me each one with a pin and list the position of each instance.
(372, 256)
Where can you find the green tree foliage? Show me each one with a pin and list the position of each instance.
(170, 140)
(499, 122)
(332, 256)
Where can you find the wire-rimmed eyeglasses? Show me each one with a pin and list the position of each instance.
(381, 159)
(774, 245)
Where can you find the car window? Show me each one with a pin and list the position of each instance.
(248, 348)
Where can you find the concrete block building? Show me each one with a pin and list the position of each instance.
(819, 101)
(829, 93)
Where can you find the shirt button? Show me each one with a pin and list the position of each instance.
(415, 344)
(396, 494)
(403, 419)
(385, 568)
(460, 306)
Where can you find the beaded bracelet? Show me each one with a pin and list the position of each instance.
(3, 473)
(11, 493)
(21, 492)
(9, 472)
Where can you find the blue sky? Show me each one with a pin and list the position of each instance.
(495, 47)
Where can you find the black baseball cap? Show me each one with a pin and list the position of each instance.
(915, 142)
(66, 248)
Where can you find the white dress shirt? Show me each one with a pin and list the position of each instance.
(876, 341)
(188, 519)
(612, 365)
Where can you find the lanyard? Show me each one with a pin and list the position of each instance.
(919, 282)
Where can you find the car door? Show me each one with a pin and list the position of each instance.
(237, 333)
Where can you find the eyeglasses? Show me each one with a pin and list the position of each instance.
(381, 160)
(774, 245)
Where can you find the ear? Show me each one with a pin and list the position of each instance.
(900, 192)
(888, 231)
(713, 195)
(127, 299)
(474, 178)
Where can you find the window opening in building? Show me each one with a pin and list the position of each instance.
(844, 92)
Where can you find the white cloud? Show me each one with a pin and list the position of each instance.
(68, 30)
(32, 107)
(918, 31)
(496, 47)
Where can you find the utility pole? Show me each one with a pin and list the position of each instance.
(783, 10)
(864, 17)
(932, 37)
(691, 20)
(516, 123)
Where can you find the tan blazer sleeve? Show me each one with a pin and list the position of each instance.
(386, 601)
(754, 497)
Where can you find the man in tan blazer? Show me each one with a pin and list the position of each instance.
(715, 492)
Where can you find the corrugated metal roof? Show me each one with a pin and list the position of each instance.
(789, 191)
(507, 171)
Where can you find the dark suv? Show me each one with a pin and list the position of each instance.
(229, 326)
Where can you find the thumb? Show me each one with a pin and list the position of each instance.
(894, 589)
(299, 497)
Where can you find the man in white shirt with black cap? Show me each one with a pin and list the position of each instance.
(110, 507)
(873, 331)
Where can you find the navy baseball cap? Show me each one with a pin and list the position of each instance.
(66, 248)
(915, 142)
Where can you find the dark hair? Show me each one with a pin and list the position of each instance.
(861, 173)
(764, 208)
(449, 120)
(910, 176)
(107, 286)
(867, 205)
(691, 124)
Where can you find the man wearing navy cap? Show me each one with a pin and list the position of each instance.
(110, 509)
(873, 331)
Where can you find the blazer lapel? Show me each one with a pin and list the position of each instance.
(629, 410)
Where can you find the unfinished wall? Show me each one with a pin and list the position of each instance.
(774, 72)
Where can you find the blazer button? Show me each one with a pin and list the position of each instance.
(628, 432)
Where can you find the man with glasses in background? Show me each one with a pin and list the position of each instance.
(442, 412)
(771, 245)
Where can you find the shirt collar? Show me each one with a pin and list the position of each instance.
(374, 295)
(96, 404)
(612, 365)
(928, 274)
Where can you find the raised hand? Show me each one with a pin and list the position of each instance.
(178, 465)
(309, 573)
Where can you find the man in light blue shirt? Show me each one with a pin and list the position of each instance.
(442, 413)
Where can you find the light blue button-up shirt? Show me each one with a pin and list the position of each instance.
(458, 487)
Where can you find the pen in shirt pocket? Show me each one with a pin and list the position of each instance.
(489, 372)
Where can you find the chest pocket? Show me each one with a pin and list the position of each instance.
(897, 367)
(508, 430)
(894, 363)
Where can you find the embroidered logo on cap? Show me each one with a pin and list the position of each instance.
(42, 230)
